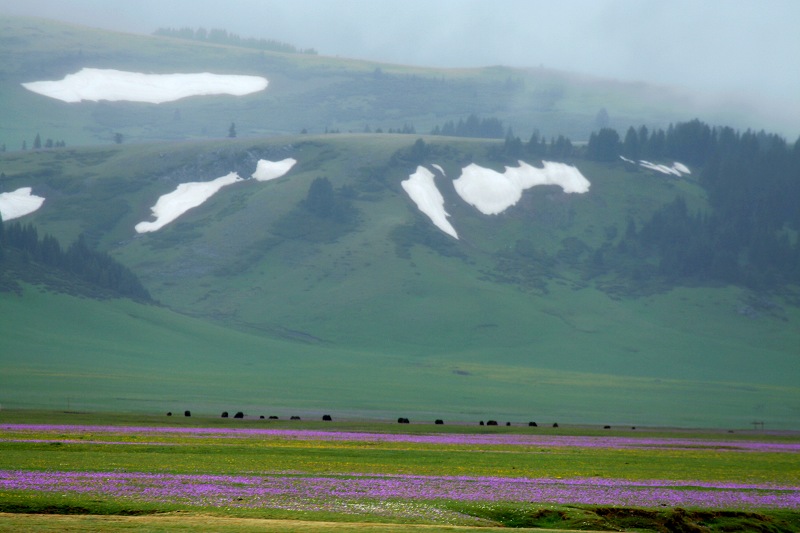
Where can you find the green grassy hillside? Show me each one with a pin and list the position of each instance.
(264, 307)
(363, 307)
(315, 93)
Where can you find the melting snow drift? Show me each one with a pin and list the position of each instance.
(188, 195)
(422, 190)
(18, 203)
(488, 190)
(270, 170)
(172, 205)
(105, 84)
(677, 169)
(492, 192)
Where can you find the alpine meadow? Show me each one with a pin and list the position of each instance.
(195, 222)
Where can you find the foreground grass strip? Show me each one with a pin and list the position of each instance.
(550, 518)
(203, 522)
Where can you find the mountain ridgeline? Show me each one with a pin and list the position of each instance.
(224, 37)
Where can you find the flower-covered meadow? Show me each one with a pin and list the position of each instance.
(420, 474)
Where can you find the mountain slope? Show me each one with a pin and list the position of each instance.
(328, 290)
(390, 314)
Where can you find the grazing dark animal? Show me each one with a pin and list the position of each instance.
(480, 423)
(508, 423)
(326, 418)
(273, 417)
(169, 413)
(187, 413)
(533, 424)
(402, 420)
(238, 414)
(294, 418)
(491, 423)
(439, 421)
(555, 424)
(606, 427)
(224, 414)
(261, 417)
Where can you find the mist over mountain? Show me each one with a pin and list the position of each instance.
(735, 53)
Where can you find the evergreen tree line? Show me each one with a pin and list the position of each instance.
(407, 129)
(220, 36)
(38, 144)
(693, 143)
(513, 147)
(749, 236)
(486, 128)
(536, 147)
(89, 265)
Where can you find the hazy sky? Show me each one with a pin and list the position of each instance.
(746, 48)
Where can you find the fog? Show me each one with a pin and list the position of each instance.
(736, 49)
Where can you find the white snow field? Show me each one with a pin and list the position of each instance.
(172, 205)
(114, 85)
(18, 203)
(492, 192)
(422, 190)
(188, 195)
(270, 170)
(677, 169)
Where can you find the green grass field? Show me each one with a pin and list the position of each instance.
(116, 355)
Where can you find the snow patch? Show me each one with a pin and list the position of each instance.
(677, 169)
(188, 195)
(270, 170)
(114, 85)
(18, 203)
(680, 167)
(492, 192)
(422, 190)
(439, 168)
(664, 169)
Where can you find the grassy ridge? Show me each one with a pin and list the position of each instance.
(306, 92)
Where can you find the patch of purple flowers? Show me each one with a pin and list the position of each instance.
(299, 492)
